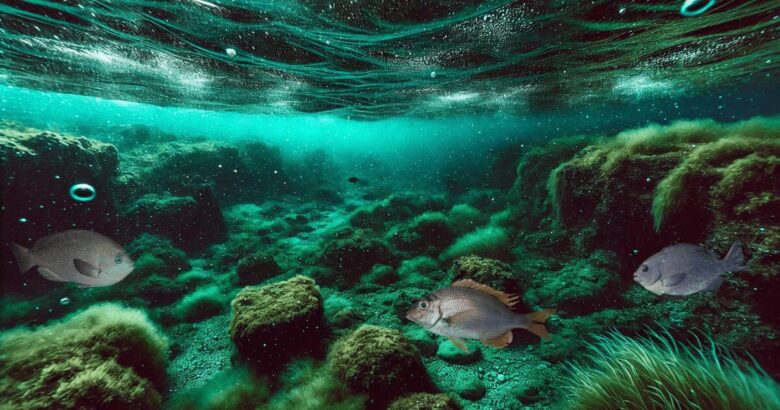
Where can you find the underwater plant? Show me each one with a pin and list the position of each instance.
(658, 372)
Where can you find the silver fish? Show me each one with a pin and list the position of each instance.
(685, 269)
(470, 310)
(79, 256)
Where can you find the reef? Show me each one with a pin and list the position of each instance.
(103, 357)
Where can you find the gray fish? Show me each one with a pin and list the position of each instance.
(83, 257)
(685, 269)
(469, 310)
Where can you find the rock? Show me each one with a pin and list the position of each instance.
(424, 401)
(469, 386)
(379, 362)
(37, 170)
(381, 275)
(353, 255)
(427, 233)
(191, 222)
(451, 354)
(393, 209)
(422, 340)
(486, 271)
(256, 268)
(154, 255)
(276, 321)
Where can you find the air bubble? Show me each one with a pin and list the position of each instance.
(82, 192)
(693, 8)
(230, 52)
(65, 301)
(433, 74)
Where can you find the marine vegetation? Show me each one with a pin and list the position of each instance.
(657, 372)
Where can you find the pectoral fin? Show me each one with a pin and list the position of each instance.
(499, 342)
(673, 280)
(460, 317)
(48, 274)
(86, 268)
(459, 343)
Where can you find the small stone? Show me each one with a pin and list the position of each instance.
(501, 378)
(470, 387)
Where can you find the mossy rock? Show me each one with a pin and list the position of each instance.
(104, 357)
(424, 401)
(469, 386)
(427, 233)
(380, 362)
(155, 255)
(354, 255)
(486, 271)
(275, 321)
(256, 268)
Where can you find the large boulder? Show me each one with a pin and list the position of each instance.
(37, 170)
(274, 322)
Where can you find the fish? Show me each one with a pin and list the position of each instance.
(86, 258)
(353, 180)
(685, 269)
(470, 310)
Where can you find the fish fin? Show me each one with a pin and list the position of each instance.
(506, 298)
(23, 257)
(86, 268)
(673, 280)
(499, 342)
(48, 274)
(714, 285)
(534, 322)
(735, 258)
(459, 343)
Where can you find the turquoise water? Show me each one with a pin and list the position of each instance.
(286, 179)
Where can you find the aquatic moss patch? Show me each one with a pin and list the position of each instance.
(489, 241)
(353, 254)
(380, 362)
(308, 386)
(424, 401)
(277, 320)
(659, 373)
(256, 268)
(201, 304)
(106, 356)
(235, 389)
(487, 271)
(427, 233)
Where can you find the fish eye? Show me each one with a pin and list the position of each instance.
(645, 268)
(423, 305)
(117, 259)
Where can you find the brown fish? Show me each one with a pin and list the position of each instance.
(470, 310)
(79, 256)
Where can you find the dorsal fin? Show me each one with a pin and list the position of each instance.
(508, 299)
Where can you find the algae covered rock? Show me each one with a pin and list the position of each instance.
(277, 320)
(105, 357)
(469, 386)
(451, 354)
(428, 233)
(256, 268)
(192, 222)
(353, 254)
(424, 401)
(487, 271)
(379, 362)
(154, 255)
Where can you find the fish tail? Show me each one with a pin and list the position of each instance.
(23, 257)
(534, 322)
(735, 258)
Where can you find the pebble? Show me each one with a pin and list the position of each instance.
(501, 378)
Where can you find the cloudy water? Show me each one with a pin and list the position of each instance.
(270, 204)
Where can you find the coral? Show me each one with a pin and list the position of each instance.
(310, 387)
(277, 320)
(489, 241)
(379, 362)
(352, 255)
(491, 272)
(178, 218)
(256, 268)
(37, 169)
(424, 401)
(201, 304)
(659, 373)
(427, 233)
(106, 356)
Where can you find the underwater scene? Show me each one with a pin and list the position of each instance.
(389, 204)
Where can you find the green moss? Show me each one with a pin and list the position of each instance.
(659, 373)
(235, 389)
(103, 357)
(354, 255)
(491, 272)
(421, 265)
(201, 304)
(379, 362)
(424, 401)
(311, 387)
(277, 320)
(256, 268)
(156, 255)
(490, 241)
(426, 233)
(466, 218)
